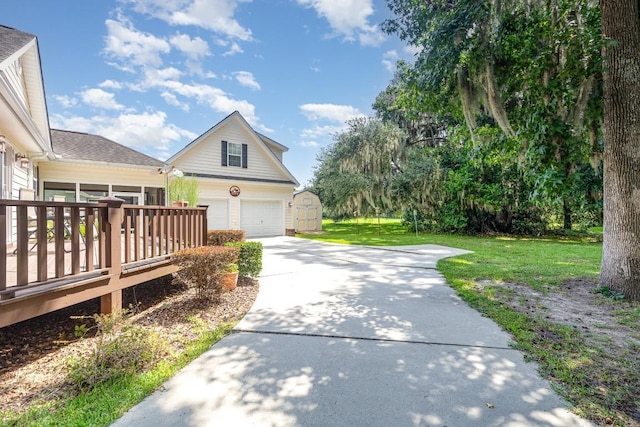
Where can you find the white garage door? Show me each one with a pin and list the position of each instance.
(261, 218)
(217, 213)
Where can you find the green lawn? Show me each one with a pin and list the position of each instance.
(537, 262)
(601, 380)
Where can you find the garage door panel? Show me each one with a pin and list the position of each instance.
(262, 217)
(217, 213)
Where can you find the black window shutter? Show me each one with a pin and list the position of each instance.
(244, 156)
(224, 153)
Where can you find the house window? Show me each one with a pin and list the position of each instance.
(235, 154)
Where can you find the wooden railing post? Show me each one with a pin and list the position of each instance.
(204, 225)
(113, 301)
(3, 244)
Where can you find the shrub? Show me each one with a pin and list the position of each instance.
(222, 237)
(119, 349)
(249, 258)
(203, 268)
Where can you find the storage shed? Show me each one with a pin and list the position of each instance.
(307, 211)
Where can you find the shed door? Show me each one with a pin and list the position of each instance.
(217, 213)
(306, 218)
(262, 217)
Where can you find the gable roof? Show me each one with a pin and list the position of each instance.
(262, 140)
(22, 102)
(271, 142)
(12, 41)
(78, 146)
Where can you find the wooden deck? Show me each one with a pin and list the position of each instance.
(66, 253)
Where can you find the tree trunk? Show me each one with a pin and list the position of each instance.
(621, 247)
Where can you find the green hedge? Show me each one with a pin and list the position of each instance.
(249, 258)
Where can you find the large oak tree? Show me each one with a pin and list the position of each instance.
(621, 248)
(530, 68)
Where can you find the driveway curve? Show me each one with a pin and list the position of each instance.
(356, 336)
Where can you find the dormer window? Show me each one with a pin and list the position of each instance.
(234, 154)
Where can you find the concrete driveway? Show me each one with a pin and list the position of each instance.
(356, 336)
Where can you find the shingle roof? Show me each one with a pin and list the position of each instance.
(83, 146)
(11, 40)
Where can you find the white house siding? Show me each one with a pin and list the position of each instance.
(15, 77)
(23, 68)
(276, 152)
(98, 174)
(20, 180)
(252, 192)
(205, 157)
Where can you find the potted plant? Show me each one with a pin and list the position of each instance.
(183, 191)
(230, 277)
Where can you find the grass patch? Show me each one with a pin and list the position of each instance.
(105, 403)
(537, 262)
(597, 376)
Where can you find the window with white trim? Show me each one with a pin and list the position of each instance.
(234, 154)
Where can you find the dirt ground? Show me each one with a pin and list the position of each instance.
(34, 353)
(603, 323)
(576, 304)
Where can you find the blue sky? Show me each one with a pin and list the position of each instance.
(155, 74)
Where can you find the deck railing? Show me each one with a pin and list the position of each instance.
(65, 253)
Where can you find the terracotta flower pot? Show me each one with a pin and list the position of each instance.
(230, 280)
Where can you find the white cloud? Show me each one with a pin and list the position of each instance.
(66, 101)
(130, 47)
(193, 48)
(146, 56)
(215, 98)
(309, 144)
(315, 65)
(246, 78)
(373, 37)
(389, 59)
(214, 15)
(110, 84)
(348, 18)
(173, 100)
(147, 132)
(320, 132)
(157, 77)
(412, 50)
(167, 81)
(234, 49)
(100, 99)
(262, 128)
(332, 112)
(77, 123)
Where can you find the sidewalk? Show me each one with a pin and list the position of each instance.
(356, 336)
